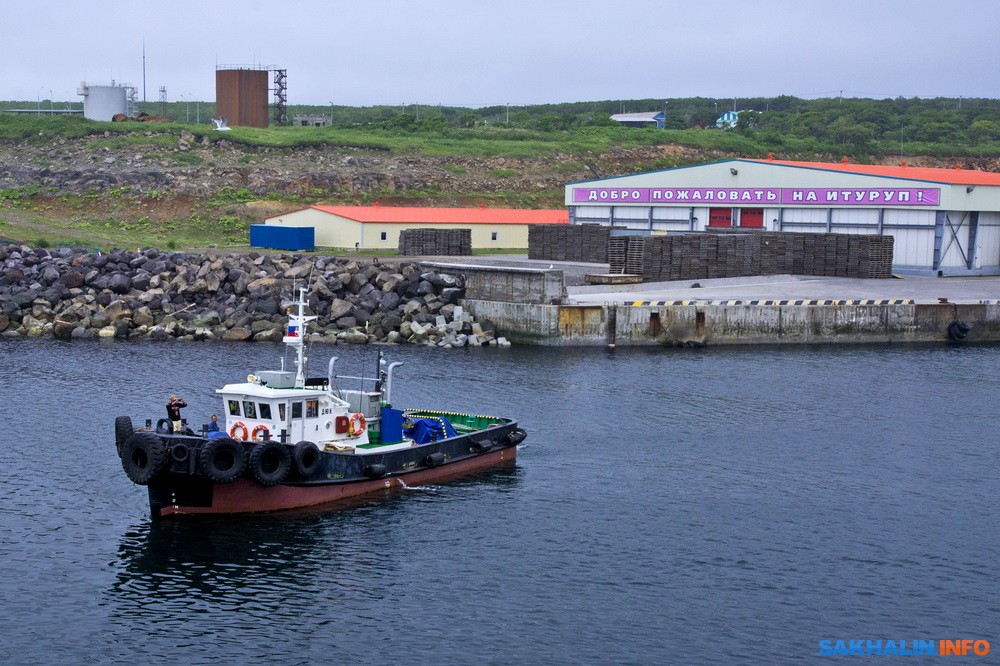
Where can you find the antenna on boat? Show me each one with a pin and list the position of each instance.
(295, 337)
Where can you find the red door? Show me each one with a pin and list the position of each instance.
(752, 217)
(720, 217)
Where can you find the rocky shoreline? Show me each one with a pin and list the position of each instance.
(149, 294)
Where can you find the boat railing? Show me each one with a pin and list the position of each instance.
(382, 383)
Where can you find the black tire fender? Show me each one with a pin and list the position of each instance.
(223, 460)
(433, 459)
(482, 445)
(180, 452)
(123, 430)
(516, 436)
(270, 462)
(144, 457)
(307, 458)
(375, 471)
(958, 330)
(165, 427)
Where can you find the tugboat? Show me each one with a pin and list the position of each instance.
(292, 441)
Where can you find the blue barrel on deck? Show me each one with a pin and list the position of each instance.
(282, 238)
(391, 424)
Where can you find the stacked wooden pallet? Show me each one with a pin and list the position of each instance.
(573, 242)
(708, 255)
(435, 242)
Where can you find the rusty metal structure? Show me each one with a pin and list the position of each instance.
(241, 95)
(280, 97)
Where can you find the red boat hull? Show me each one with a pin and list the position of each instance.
(245, 496)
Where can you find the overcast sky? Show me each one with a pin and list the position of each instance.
(476, 53)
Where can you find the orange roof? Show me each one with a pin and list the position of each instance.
(952, 176)
(407, 215)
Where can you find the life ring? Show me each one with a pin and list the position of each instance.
(265, 434)
(239, 426)
(357, 424)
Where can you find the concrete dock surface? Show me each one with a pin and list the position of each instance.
(920, 290)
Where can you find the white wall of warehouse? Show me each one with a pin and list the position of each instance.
(912, 228)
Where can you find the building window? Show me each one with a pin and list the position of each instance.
(383, 236)
(493, 236)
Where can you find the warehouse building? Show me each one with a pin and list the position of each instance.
(644, 119)
(378, 227)
(943, 221)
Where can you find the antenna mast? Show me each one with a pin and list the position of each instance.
(295, 337)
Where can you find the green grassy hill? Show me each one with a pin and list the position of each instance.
(65, 179)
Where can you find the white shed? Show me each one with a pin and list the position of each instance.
(378, 227)
(944, 221)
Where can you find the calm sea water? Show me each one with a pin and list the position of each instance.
(668, 506)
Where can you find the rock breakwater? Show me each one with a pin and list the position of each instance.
(74, 294)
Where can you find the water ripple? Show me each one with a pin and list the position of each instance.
(724, 505)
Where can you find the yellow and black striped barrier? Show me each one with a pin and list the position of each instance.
(898, 301)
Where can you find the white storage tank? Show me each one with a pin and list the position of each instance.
(103, 102)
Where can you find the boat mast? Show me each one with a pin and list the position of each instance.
(296, 336)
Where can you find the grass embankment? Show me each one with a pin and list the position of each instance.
(125, 218)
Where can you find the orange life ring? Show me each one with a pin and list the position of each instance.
(239, 425)
(262, 429)
(357, 424)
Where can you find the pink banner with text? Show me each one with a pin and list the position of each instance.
(787, 196)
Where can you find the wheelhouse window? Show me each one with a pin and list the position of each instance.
(234, 407)
(265, 410)
(312, 408)
(296, 410)
(281, 412)
(249, 410)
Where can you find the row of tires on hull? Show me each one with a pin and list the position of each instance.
(145, 456)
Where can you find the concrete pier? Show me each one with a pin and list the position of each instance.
(740, 311)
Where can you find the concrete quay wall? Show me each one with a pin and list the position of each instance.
(696, 324)
(519, 285)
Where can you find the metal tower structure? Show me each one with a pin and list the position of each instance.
(163, 101)
(132, 100)
(280, 96)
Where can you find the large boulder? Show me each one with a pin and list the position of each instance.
(63, 330)
(238, 334)
(120, 283)
(207, 319)
(300, 270)
(72, 279)
(340, 308)
(270, 335)
(267, 306)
